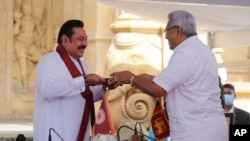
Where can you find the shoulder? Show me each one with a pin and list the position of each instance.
(240, 111)
(49, 57)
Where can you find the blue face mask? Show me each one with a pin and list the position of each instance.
(229, 98)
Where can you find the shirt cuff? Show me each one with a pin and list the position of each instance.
(79, 84)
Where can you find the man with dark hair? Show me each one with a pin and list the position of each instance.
(65, 90)
(20, 137)
(241, 117)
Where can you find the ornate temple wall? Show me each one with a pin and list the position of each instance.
(116, 41)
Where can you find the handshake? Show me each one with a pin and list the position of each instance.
(116, 79)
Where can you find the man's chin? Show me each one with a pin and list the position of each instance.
(80, 54)
(171, 47)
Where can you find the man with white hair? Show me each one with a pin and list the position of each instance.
(189, 82)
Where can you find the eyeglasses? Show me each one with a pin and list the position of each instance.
(169, 28)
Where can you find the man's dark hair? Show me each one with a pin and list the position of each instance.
(20, 137)
(221, 93)
(230, 86)
(67, 29)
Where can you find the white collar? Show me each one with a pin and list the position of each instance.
(230, 111)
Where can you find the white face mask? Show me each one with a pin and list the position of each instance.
(229, 98)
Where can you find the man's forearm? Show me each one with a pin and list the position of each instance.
(145, 83)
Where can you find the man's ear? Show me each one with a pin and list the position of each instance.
(65, 39)
(179, 32)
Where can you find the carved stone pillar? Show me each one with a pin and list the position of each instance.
(136, 46)
(6, 38)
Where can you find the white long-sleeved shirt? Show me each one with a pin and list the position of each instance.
(58, 101)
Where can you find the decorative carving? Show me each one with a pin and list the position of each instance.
(29, 33)
(138, 106)
(128, 104)
(137, 50)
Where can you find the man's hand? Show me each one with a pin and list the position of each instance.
(94, 79)
(107, 86)
(120, 78)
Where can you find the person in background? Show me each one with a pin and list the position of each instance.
(241, 117)
(20, 137)
(65, 90)
(189, 82)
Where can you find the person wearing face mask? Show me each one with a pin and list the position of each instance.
(241, 117)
